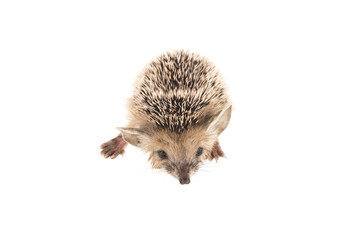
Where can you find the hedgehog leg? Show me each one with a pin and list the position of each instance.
(216, 152)
(114, 147)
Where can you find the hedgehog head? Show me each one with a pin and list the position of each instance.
(179, 153)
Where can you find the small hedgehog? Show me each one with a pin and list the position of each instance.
(177, 111)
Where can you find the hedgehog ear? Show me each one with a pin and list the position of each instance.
(220, 121)
(134, 136)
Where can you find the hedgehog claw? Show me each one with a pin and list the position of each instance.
(114, 147)
(216, 152)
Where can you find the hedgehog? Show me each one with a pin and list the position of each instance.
(178, 109)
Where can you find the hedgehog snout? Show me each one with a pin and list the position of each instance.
(184, 176)
(185, 180)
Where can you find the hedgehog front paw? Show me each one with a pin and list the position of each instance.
(216, 152)
(114, 147)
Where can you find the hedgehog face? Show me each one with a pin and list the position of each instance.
(180, 154)
(180, 167)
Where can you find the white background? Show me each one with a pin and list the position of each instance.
(67, 67)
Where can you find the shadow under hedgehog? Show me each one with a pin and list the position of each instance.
(177, 111)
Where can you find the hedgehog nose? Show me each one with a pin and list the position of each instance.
(184, 180)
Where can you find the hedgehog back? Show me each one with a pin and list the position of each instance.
(173, 90)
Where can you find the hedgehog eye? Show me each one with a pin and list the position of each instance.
(199, 152)
(162, 154)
